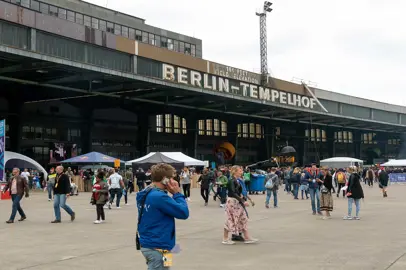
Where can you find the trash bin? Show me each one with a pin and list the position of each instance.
(258, 183)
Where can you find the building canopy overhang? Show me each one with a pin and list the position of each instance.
(42, 78)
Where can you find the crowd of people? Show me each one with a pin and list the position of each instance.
(231, 185)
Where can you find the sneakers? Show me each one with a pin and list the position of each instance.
(126, 204)
(222, 205)
(97, 222)
(347, 218)
(356, 218)
(188, 199)
(228, 242)
(205, 204)
(251, 241)
(118, 207)
(109, 206)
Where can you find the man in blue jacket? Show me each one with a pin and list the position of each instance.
(157, 213)
(313, 176)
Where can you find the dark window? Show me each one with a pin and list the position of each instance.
(53, 11)
(117, 29)
(102, 25)
(131, 33)
(193, 50)
(79, 18)
(151, 39)
(138, 35)
(145, 37)
(35, 5)
(44, 8)
(164, 42)
(110, 27)
(71, 16)
(62, 13)
(95, 23)
(176, 45)
(124, 31)
(87, 21)
(25, 3)
(158, 41)
(187, 49)
(182, 47)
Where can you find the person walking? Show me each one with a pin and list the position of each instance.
(222, 186)
(18, 186)
(116, 184)
(383, 181)
(354, 194)
(295, 181)
(326, 199)
(204, 181)
(50, 183)
(157, 211)
(341, 179)
(304, 186)
(271, 186)
(61, 194)
(185, 181)
(313, 177)
(100, 196)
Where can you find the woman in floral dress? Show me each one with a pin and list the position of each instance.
(236, 213)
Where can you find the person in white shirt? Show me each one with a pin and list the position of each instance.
(116, 188)
(25, 174)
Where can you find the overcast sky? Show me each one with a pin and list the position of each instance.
(352, 47)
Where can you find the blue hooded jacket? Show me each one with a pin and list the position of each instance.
(157, 227)
(244, 188)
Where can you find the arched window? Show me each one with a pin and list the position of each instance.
(170, 123)
(212, 127)
(250, 130)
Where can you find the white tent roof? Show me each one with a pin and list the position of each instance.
(395, 163)
(341, 159)
(179, 156)
(22, 160)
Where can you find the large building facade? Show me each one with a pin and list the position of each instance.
(93, 79)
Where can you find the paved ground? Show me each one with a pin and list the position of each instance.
(291, 238)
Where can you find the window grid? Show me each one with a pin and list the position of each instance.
(176, 124)
(216, 127)
(209, 127)
(168, 123)
(223, 129)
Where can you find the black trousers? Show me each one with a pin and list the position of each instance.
(205, 194)
(340, 185)
(186, 190)
(100, 212)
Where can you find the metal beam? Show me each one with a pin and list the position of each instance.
(26, 67)
(75, 78)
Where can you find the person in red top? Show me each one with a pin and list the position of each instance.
(100, 197)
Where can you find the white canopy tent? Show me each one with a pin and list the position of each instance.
(16, 160)
(341, 162)
(395, 163)
(178, 156)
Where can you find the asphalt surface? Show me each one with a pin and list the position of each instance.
(290, 236)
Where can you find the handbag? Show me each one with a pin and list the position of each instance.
(324, 190)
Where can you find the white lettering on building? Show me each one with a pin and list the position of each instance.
(221, 84)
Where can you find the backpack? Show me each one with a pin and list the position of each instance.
(341, 177)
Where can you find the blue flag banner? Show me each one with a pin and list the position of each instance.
(2, 148)
(397, 177)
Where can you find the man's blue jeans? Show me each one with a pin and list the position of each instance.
(295, 190)
(223, 194)
(50, 188)
(315, 195)
(154, 259)
(269, 193)
(357, 206)
(16, 207)
(60, 202)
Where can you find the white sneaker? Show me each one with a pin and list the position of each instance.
(251, 241)
(118, 207)
(228, 242)
(188, 199)
(97, 222)
(49, 200)
(105, 207)
(222, 205)
(102, 221)
(126, 204)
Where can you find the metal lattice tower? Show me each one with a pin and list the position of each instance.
(263, 41)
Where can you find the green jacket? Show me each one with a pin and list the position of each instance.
(222, 180)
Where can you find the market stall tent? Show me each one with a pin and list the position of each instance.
(91, 158)
(16, 160)
(395, 163)
(174, 157)
(341, 162)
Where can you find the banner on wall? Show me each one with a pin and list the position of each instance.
(398, 178)
(2, 148)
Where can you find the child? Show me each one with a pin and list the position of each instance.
(100, 197)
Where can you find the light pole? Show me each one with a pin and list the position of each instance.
(263, 41)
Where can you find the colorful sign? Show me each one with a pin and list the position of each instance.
(2, 148)
(397, 177)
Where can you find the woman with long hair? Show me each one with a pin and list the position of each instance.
(236, 213)
(354, 194)
(185, 181)
(326, 200)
